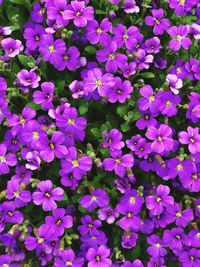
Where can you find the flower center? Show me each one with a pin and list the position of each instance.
(178, 70)
(16, 194)
(192, 140)
(146, 117)
(70, 121)
(151, 98)
(119, 92)
(112, 56)
(3, 159)
(66, 57)
(158, 245)
(11, 50)
(195, 176)
(179, 214)
(98, 82)
(132, 199)
(37, 38)
(68, 262)
(78, 14)
(192, 258)
(159, 138)
(22, 120)
(168, 103)
(178, 237)
(51, 48)
(157, 21)
(47, 194)
(125, 36)
(118, 161)
(198, 234)
(181, 2)
(179, 167)
(94, 198)
(52, 146)
(59, 222)
(75, 163)
(35, 134)
(99, 31)
(179, 38)
(10, 213)
(40, 240)
(129, 215)
(90, 225)
(98, 258)
(158, 199)
(14, 141)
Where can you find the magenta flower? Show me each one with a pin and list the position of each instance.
(76, 165)
(79, 13)
(67, 258)
(113, 140)
(156, 20)
(98, 257)
(33, 36)
(6, 160)
(180, 38)
(45, 96)
(12, 47)
(118, 163)
(161, 138)
(130, 7)
(51, 50)
(174, 83)
(54, 147)
(70, 59)
(97, 80)
(157, 202)
(99, 33)
(191, 138)
(28, 79)
(113, 60)
(157, 246)
(56, 10)
(98, 198)
(46, 196)
(59, 221)
(121, 91)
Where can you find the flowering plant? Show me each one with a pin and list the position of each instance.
(99, 137)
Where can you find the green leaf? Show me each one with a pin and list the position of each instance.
(100, 12)
(125, 127)
(21, 2)
(90, 49)
(122, 110)
(27, 61)
(34, 106)
(147, 75)
(83, 109)
(96, 132)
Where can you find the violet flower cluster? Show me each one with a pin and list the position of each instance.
(99, 138)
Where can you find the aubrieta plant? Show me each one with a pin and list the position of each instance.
(99, 133)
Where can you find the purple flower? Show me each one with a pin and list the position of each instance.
(10, 214)
(98, 257)
(174, 83)
(181, 217)
(33, 36)
(28, 78)
(118, 163)
(12, 47)
(113, 60)
(6, 160)
(181, 6)
(98, 198)
(135, 263)
(3, 86)
(76, 165)
(121, 91)
(88, 224)
(143, 60)
(129, 240)
(157, 246)
(56, 10)
(79, 13)
(190, 258)
(191, 138)
(51, 50)
(46, 195)
(97, 80)
(157, 202)
(168, 103)
(99, 33)
(21, 197)
(180, 38)
(130, 6)
(67, 258)
(70, 59)
(54, 147)
(107, 214)
(152, 45)
(179, 69)
(156, 20)
(59, 221)
(161, 138)
(113, 140)
(125, 36)
(46, 96)
(37, 13)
